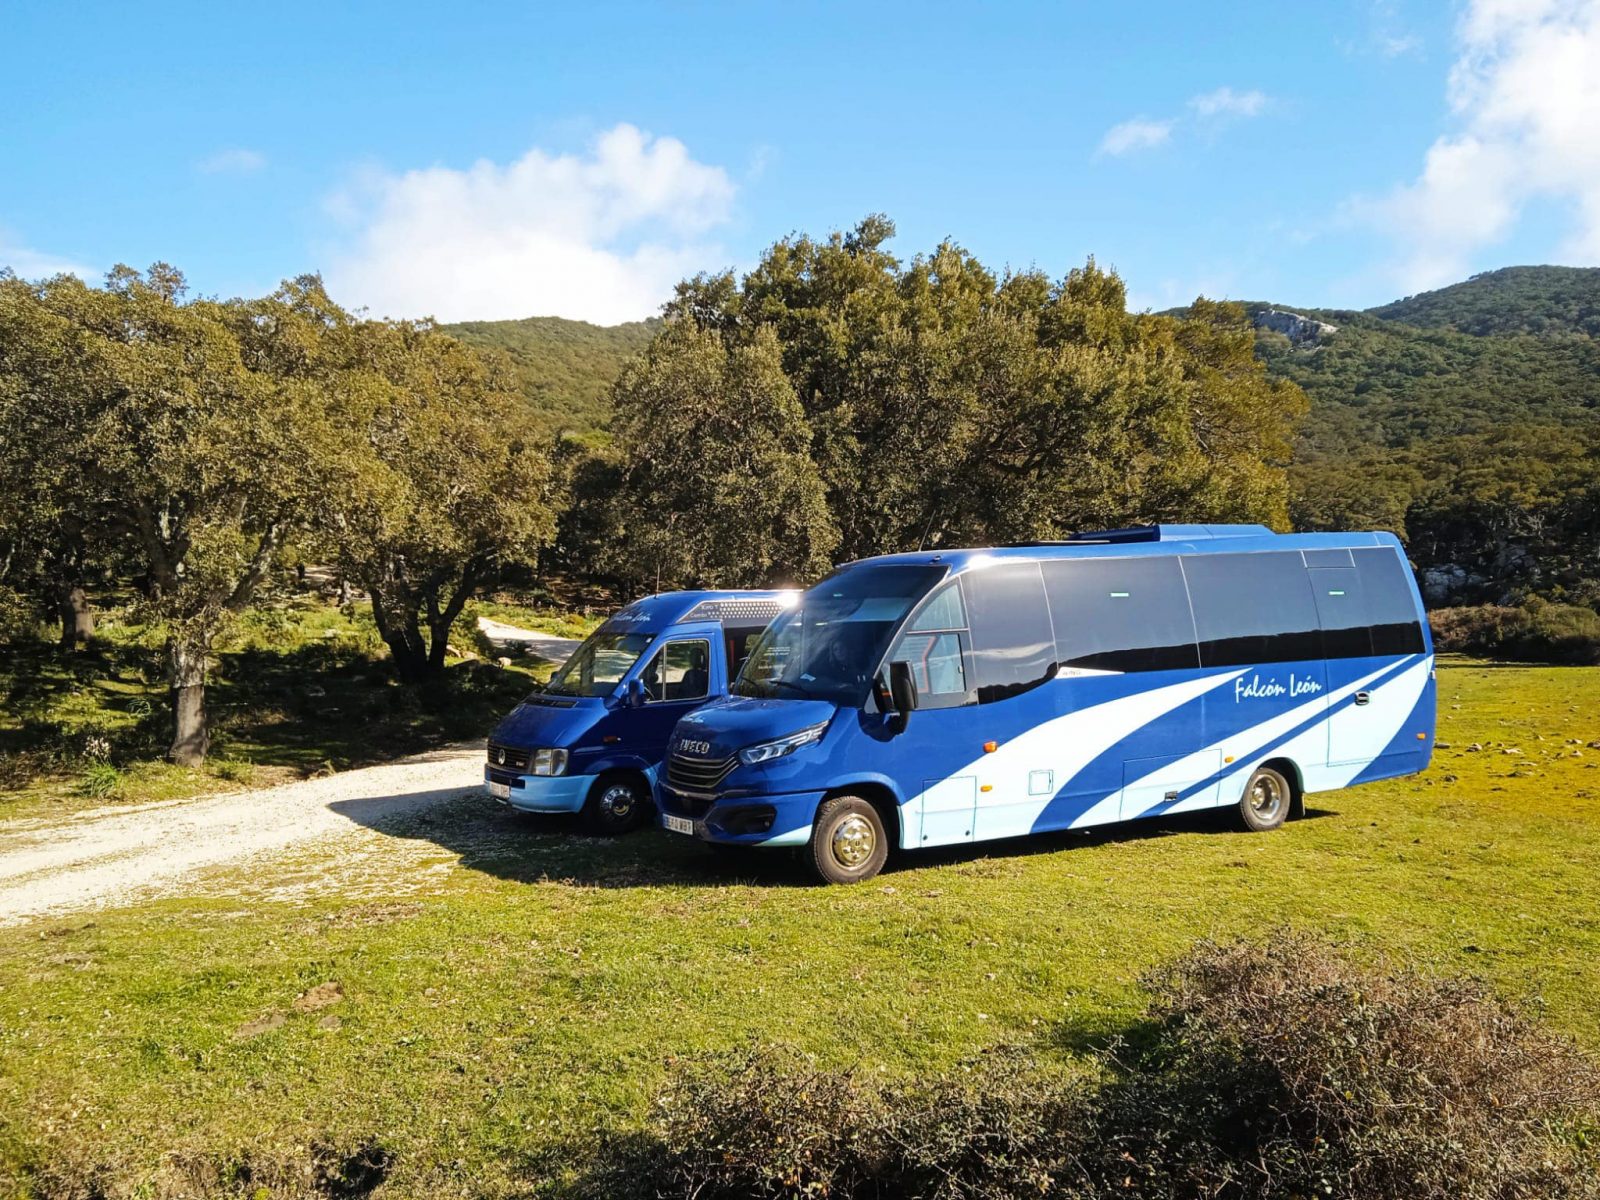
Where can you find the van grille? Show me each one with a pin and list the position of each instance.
(698, 774)
(509, 757)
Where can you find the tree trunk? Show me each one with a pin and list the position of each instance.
(77, 618)
(187, 668)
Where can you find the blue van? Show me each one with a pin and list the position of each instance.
(931, 699)
(590, 740)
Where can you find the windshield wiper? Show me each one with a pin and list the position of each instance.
(785, 683)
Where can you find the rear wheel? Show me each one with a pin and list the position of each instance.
(848, 841)
(617, 804)
(1266, 801)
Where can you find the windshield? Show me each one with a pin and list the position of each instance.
(826, 647)
(597, 666)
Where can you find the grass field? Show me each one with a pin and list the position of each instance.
(545, 983)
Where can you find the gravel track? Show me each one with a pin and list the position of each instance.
(121, 854)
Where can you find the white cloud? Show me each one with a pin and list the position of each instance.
(601, 236)
(1225, 102)
(235, 161)
(32, 264)
(1525, 97)
(1209, 110)
(1140, 133)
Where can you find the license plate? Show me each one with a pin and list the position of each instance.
(500, 791)
(678, 824)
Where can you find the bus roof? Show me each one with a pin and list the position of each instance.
(1142, 540)
(671, 608)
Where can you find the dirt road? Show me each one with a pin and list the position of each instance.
(335, 831)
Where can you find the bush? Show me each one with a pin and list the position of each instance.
(1262, 1072)
(99, 781)
(1537, 632)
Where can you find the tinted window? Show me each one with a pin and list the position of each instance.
(1013, 646)
(1391, 610)
(1252, 608)
(1121, 614)
(1342, 611)
(1327, 558)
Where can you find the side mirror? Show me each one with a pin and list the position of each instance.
(903, 692)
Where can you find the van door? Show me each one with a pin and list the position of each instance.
(685, 670)
(1347, 643)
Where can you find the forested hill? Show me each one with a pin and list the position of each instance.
(564, 366)
(1466, 419)
(1543, 300)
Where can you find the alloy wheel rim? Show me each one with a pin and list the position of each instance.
(853, 841)
(1266, 795)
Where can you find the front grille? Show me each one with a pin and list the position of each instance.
(698, 774)
(509, 757)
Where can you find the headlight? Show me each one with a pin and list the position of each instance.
(549, 762)
(767, 751)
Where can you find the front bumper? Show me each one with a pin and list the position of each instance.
(726, 819)
(543, 793)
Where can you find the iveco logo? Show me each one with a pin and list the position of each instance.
(689, 747)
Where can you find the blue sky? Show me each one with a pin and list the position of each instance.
(498, 161)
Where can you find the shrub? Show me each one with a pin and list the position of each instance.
(1536, 632)
(99, 781)
(1261, 1072)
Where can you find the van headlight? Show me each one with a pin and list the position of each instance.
(549, 762)
(767, 751)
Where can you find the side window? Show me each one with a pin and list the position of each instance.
(680, 671)
(1121, 614)
(1253, 608)
(1391, 610)
(738, 641)
(934, 645)
(1013, 645)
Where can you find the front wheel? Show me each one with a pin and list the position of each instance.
(617, 804)
(848, 842)
(1266, 800)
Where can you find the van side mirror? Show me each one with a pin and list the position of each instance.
(902, 693)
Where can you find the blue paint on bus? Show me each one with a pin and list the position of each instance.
(1110, 677)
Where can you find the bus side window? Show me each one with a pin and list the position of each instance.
(1013, 644)
(1391, 610)
(934, 645)
(1121, 614)
(1253, 608)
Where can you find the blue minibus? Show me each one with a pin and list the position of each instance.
(932, 699)
(590, 740)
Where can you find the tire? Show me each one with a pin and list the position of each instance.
(617, 804)
(1266, 801)
(848, 841)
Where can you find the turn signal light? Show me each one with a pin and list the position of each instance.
(990, 747)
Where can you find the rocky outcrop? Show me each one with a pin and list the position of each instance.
(1302, 331)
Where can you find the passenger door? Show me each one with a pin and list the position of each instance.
(936, 645)
(684, 672)
(1347, 642)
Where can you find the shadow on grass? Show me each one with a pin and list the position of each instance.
(526, 848)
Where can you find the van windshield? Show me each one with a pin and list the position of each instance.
(827, 646)
(597, 666)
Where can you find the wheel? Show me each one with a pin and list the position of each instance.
(616, 804)
(848, 842)
(1266, 800)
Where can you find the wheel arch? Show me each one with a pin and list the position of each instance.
(877, 793)
(1290, 770)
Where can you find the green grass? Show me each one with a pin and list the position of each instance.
(297, 688)
(547, 983)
